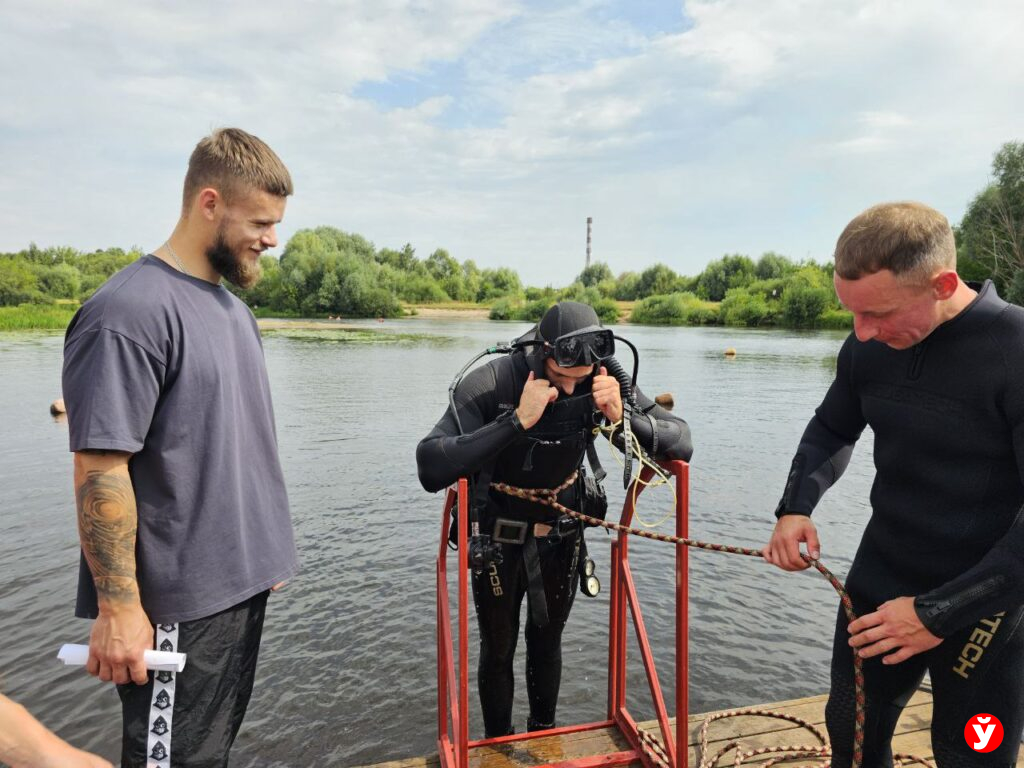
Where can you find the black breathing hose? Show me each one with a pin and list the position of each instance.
(614, 367)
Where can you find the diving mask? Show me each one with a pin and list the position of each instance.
(587, 346)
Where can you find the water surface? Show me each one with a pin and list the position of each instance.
(347, 668)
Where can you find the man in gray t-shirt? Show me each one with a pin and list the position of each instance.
(182, 510)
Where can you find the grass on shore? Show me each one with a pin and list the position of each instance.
(37, 317)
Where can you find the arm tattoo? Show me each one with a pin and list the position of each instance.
(107, 523)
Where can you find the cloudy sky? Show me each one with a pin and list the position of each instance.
(493, 128)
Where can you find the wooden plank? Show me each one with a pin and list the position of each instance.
(535, 751)
(429, 761)
(912, 737)
(543, 750)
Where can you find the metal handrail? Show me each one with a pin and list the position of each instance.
(453, 689)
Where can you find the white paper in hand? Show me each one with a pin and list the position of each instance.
(158, 661)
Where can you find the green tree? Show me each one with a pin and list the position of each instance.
(627, 285)
(420, 289)
(440, 265)
(97, 267)
(18, 283)
(806, 296)
(60, 281)
(773, 265)
(328, 296)
(655, 280)
(498, 282)
(730, 271)
(471, 280)
(992, 230)
(547, 293)
(740, 307)
(1015, 293)
(448, 274)
(607, 310)
(404, 259)
(594, 274)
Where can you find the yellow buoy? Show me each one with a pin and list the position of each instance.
(730, 352)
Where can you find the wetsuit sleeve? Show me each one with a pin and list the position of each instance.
(827, 443)
(996, 583)
(662, 434)
(444, 455)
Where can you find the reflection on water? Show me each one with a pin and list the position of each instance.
(347, 667)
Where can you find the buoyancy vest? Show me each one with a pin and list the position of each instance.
(546, 454)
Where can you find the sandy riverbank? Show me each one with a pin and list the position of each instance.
(477, 313)
(427, 311)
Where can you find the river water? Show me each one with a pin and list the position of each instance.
(347, 668)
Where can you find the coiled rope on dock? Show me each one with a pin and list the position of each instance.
(548, 497)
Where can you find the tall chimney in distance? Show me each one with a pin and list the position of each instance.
(590, 221)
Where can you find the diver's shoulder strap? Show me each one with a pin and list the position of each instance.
(510, 378)
(505, 377)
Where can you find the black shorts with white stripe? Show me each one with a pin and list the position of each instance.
(190, 719)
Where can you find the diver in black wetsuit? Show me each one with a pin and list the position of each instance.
(936, 368)
(526, 420)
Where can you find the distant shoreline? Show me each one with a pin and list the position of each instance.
(344, 323)
(426, 310)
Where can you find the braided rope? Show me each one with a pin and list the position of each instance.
(650, 744)
(547, 497)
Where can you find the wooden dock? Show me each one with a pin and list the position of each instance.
(912, 737)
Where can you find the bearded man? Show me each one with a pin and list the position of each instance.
(182, 511)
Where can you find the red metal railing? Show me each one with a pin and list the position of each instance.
(453, 742)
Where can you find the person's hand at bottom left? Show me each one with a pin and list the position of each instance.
(26, 743)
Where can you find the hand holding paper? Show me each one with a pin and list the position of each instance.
(157, 661)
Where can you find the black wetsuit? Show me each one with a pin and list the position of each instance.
(946, 524)
(541, 457)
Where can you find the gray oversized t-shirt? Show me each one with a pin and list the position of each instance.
(170, 368)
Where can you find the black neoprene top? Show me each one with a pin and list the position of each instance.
(541, 457)
(948, 419)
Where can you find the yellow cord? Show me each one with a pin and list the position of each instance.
(660, 477)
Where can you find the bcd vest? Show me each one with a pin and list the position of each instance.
(546, 454)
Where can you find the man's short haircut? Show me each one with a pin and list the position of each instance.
(911, 240)
(235, 162)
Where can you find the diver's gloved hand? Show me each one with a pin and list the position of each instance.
(607, 395)
(537, 394)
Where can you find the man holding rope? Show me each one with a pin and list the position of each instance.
(936, 368)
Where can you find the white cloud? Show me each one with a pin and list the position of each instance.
(756, 126)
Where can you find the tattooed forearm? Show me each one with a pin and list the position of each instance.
(107, 523)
